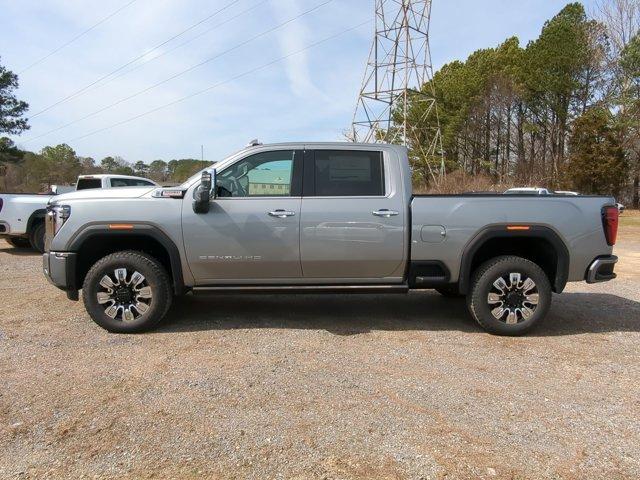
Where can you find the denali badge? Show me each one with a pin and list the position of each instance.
(230, 257)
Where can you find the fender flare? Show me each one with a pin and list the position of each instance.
(140, 230)
(501, 231)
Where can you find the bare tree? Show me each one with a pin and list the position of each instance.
(622, 20)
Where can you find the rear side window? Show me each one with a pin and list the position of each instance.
(129, 182)
(348, 173)
(87, 183)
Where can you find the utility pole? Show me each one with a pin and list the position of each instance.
(399, 72)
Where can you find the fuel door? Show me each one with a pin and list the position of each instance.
(433, 233)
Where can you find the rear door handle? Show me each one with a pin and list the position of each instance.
(384, 212)
(282, 213)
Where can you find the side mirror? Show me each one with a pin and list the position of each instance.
(203, 194)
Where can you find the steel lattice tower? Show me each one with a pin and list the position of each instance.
(398, 68)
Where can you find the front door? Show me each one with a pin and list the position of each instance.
(353, 217)
(252, 231)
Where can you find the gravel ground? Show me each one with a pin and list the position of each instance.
(331, 387)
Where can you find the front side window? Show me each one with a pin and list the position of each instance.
(348, 173)
(266, 174)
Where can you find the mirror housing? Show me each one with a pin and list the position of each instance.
(204, 192)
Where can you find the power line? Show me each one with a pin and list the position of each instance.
(86, 87)
(219, 84)
(179, 74)
(82, 34)
(186, 42)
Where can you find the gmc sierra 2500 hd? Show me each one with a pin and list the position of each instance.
(322, 217)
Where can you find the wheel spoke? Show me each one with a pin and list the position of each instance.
(145, 293)
(127, 315)
(528, 285)
(111, 311)
(512, 318)
(500, 284)
(498, 312)
(136, 279)
(494, 298)
(141, 307)
(532, 298)
(527, 313)
(107, 283)
(104, 297)
(121, 275)
(514, 279)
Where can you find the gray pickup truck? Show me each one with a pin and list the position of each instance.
(322, 218)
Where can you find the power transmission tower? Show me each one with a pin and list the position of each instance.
(398, 72)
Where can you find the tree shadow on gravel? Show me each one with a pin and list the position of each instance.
(571, 313)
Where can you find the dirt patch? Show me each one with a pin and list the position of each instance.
(332, 387)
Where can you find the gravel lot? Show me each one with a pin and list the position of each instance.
(325, 387)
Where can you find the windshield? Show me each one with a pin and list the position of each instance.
(210, 168)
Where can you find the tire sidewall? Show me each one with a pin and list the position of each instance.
(37, 237)
(480, 308)
(156, 279)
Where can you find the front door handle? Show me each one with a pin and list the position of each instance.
(282, 213)
(384, 212)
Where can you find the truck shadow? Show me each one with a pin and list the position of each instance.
(18, 252)
(571, 313)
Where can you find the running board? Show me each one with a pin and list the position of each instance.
(286, 289)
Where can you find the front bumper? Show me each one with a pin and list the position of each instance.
(601, 269)
(60, 270)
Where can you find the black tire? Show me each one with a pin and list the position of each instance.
(449, 291)
(19, 242)
(513, 301)
(155, 277)
(36, 237)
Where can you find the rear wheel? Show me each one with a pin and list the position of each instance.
(19, 242)
(509, 295)
(36, 237)
(127, 292)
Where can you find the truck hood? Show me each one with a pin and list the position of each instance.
(97, 193)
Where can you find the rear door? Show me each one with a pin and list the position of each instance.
(352, 216)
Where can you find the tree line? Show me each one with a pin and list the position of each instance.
(23, 171)
(561, 112)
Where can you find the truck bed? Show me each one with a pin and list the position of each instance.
(444, 226)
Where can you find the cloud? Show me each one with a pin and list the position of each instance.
(291, 38)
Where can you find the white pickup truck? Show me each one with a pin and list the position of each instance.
(22, 214)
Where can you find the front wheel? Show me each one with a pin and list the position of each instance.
(127, 292)
(509, 295)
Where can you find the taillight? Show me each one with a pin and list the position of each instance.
(610, 224)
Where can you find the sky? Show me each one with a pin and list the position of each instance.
(259, 64)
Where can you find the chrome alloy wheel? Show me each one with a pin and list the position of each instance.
(513, 299)
(125, 297)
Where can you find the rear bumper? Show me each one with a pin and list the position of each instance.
(60, 270)
(601, 269)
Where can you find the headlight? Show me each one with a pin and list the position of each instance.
(57, 215)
